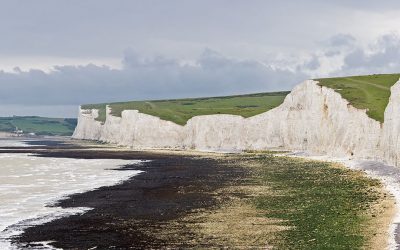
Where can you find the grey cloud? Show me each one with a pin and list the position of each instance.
(341, 40)
(104, 28)
(143, 78)
(369, 5)
(332, 53)
(385, 59)
(338, 44)
(311, 64)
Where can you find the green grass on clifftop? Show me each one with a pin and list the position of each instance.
(38, 125)
(369, 92)
(180, 111)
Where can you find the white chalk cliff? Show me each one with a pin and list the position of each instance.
(311, 118)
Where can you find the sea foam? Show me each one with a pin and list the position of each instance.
(28, 184)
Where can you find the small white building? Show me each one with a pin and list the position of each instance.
(18, 132)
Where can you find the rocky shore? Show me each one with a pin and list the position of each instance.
(188, 199)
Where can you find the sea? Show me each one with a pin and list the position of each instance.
(29, 185)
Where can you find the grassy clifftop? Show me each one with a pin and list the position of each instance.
(38, 125)
(181, 110)
(369, 92)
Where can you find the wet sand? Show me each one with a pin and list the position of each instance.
(129, 215)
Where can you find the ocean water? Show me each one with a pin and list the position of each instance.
(12, 143)
(28, 184)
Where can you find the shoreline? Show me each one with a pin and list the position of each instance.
(187, 180)
(127, 214)
(393, 231)
(30, 185)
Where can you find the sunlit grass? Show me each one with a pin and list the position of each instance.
(180, 111)
(369, 92)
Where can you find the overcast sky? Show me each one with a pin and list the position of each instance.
(57, 54)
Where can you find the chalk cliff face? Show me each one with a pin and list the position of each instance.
(390, 140)
(312, 118)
